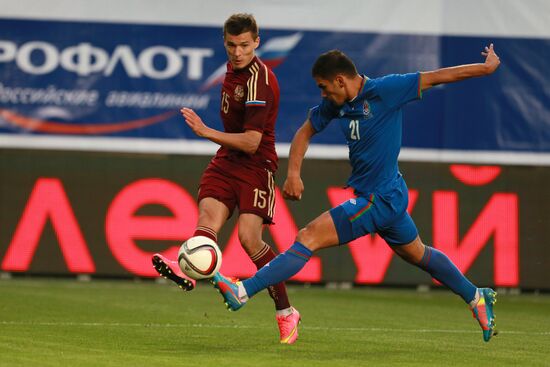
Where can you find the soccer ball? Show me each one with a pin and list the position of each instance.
(199, 257)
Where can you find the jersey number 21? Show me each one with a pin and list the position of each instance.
(354, 130)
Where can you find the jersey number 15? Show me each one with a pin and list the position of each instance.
(225, 102)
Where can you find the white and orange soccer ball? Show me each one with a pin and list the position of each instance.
(199, 257)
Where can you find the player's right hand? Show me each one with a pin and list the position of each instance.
(293, 188)
(194, 121)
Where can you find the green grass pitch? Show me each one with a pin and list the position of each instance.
(46, 322)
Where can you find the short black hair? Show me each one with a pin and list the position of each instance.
(332, 63)
(241, 23)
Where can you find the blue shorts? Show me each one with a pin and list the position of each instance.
(384, 214)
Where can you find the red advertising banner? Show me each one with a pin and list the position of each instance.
(106, 214)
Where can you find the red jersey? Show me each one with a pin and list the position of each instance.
(250, 101)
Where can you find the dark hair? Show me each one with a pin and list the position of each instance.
(332, 63)
(241, 23)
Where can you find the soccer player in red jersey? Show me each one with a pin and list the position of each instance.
(241, 173)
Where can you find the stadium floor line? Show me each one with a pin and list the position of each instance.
(218, 326)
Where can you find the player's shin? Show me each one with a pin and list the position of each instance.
(441, 268)
(278, 291)
(281, 268)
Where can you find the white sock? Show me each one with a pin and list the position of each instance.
(285, 312)
(474, 302)
(243, 297)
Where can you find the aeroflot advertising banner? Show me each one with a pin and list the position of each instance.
(130, 80)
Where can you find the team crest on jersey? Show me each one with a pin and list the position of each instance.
(239, 93)
(366, 109)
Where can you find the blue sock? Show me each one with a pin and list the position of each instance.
(442, 268)
(282, 267)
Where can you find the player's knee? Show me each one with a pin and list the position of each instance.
(205, 216)
(408, 257)
(306, 236)
(412, 252)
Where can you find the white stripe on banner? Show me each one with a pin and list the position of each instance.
(505, 18)
(315, 151)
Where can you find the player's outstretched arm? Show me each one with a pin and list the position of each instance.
(293, 186)
(452, 74)
(248, 142)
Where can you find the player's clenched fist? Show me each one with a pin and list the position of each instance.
(293, 188)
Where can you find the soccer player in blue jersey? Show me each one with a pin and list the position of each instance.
(369, 112)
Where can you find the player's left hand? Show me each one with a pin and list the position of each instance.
(293, 188)
(492, 61)
(194, 122)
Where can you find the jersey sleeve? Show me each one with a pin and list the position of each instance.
(398, 89)
(259, 99)
(321, 115)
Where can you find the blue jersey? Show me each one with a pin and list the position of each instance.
(372, 124)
